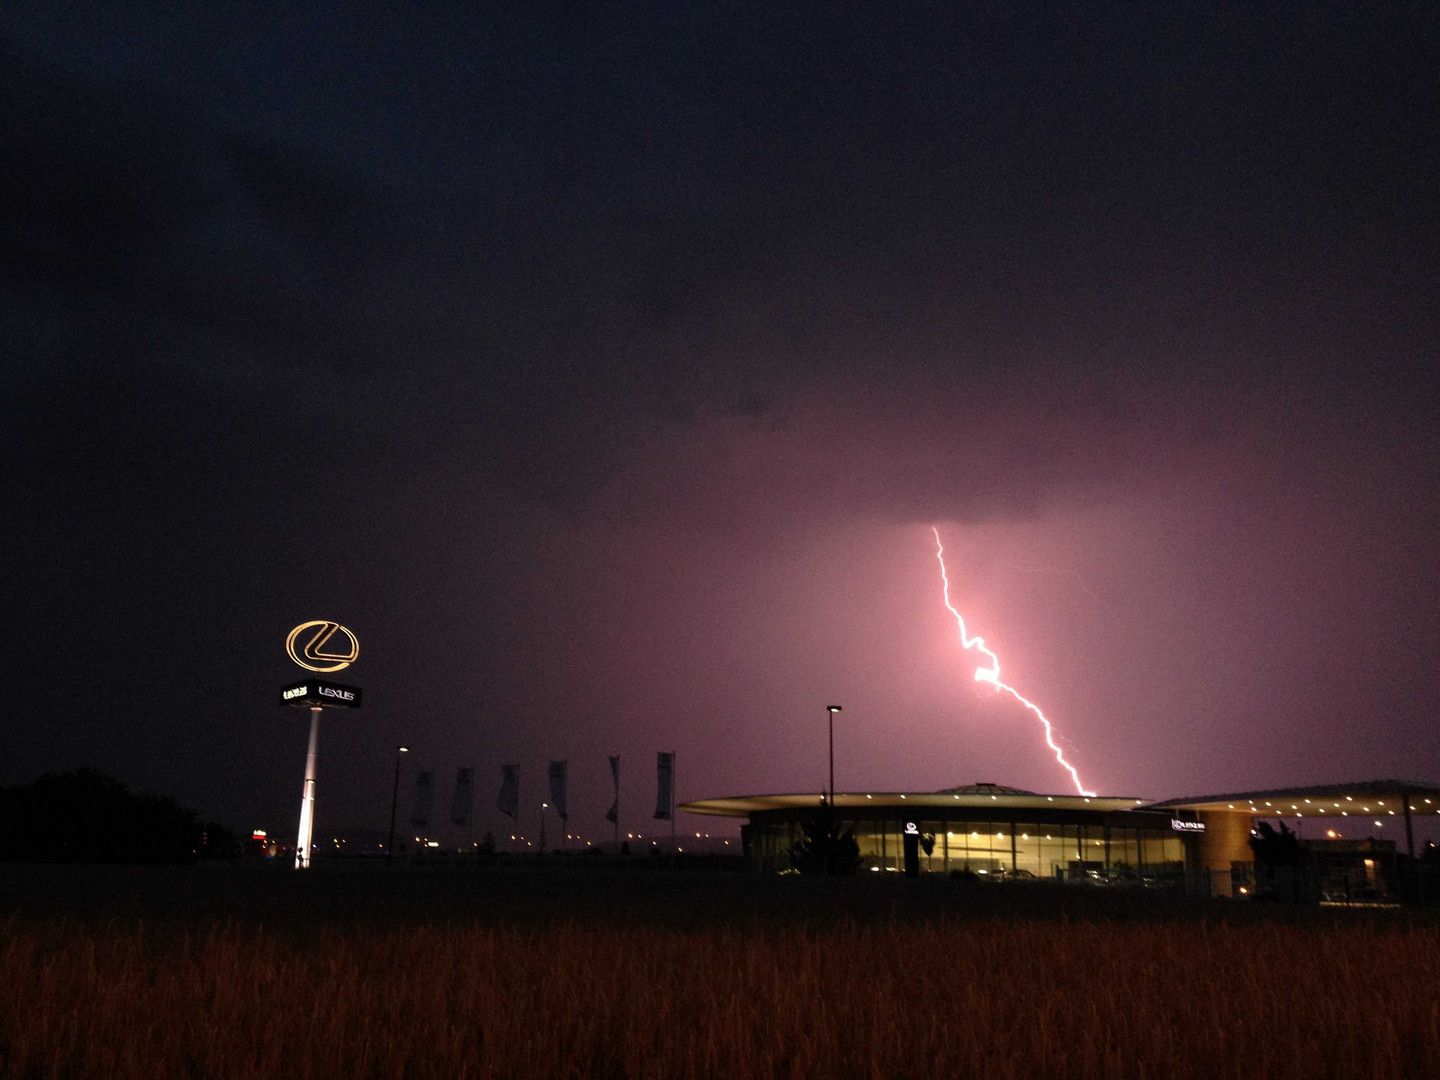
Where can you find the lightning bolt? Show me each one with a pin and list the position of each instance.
(991, 674)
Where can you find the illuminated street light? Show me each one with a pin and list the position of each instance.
(830, 711)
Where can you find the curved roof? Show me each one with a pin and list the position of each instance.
(1374, 797)
(991, 796)
(984, 789)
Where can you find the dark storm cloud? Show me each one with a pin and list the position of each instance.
(474, 322)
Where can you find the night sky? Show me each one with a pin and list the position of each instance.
(606, 368)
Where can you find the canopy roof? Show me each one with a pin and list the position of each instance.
(1373, 797)
(992, 796)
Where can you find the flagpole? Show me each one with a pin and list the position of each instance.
(674, 757)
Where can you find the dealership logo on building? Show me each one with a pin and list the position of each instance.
(323, 650)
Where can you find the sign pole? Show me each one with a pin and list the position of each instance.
(307, 796)
(317, 694)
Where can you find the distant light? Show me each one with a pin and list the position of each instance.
(832, 708)
(258, 834)
(402, 749)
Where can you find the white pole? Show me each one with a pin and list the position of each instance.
(307, 797)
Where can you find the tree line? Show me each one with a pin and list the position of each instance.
(86, 816)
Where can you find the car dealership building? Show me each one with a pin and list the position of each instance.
(1004, 833)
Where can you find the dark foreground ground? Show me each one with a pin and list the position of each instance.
(572, 970)
(370, 894)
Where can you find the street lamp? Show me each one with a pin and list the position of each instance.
(830, 711)
(394, 797)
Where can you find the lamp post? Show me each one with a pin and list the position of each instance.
(830, 711)
(394, 797)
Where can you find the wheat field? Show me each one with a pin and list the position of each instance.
(943, 997)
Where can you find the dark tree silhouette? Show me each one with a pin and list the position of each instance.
(824, 849)
(86, 816)
(1276, 847)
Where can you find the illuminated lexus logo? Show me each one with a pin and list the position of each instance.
(319, 653)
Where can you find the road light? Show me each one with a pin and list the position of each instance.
(394, 797)
(830, 711)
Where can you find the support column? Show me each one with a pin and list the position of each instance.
(1409, 829)
(307, 797)
(1226, 840)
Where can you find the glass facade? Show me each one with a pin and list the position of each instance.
(1101, 851)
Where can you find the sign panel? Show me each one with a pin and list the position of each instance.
(1187, 826)
(320, 694)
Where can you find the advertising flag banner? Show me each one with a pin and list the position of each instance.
(613, 814)
(664, 786)
(460, 803)
(557, 788)
(424, 785)
(509, 800)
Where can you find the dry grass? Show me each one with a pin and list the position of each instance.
(947, 998)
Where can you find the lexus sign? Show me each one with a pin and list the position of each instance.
(319, 694)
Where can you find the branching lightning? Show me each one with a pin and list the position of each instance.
(991, 673)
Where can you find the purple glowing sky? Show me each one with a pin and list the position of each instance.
(606, 372)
